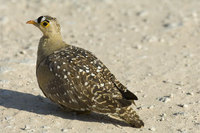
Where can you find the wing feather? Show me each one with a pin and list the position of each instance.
(80, 76)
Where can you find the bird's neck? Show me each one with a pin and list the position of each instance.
(47, 45)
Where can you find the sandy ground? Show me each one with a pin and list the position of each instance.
(152, 46)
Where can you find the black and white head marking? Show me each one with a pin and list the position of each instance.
(40, 19)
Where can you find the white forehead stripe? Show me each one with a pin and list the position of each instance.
(43, 18)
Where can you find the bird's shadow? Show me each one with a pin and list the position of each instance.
(43, 106)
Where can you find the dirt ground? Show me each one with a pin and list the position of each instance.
(151, 46)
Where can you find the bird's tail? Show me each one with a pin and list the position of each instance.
(130, 116)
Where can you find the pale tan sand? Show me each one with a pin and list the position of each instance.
(152, 46)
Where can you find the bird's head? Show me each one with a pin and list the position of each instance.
(47, 24)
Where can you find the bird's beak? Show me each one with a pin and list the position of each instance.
(31, 22)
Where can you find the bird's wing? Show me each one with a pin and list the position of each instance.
(126, 94)
(107, 75)
(124, 91)
(88, 80)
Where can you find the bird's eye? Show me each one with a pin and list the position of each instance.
(45, 23)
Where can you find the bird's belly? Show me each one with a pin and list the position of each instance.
(59, 92)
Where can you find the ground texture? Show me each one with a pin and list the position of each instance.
(152, 46)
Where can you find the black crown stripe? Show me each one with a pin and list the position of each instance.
(39, 19)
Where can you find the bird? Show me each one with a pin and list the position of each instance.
(76, 79)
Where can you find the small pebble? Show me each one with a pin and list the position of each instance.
(139, 108)
(151, 107)
(149, 39)
(45, 127)
(171, 25)
(197, 102)
(64, 130)
(138, 47)
(142, 13)
(182, 130)
(163, 115)
(22, 52)
(152, 129)
(190, 93)
(144, 96)
(162, 119)
(133, 28)
(165, 99)
(139, 91)
(183, 105)
(179, 88)
(167, 81)
(8, 118)
(179, 113)
(26, 127)
(180, 83)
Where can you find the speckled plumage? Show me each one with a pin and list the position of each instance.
(74, 78)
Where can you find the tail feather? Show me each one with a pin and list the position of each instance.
(130, 116)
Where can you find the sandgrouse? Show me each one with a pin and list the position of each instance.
(75, 79)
